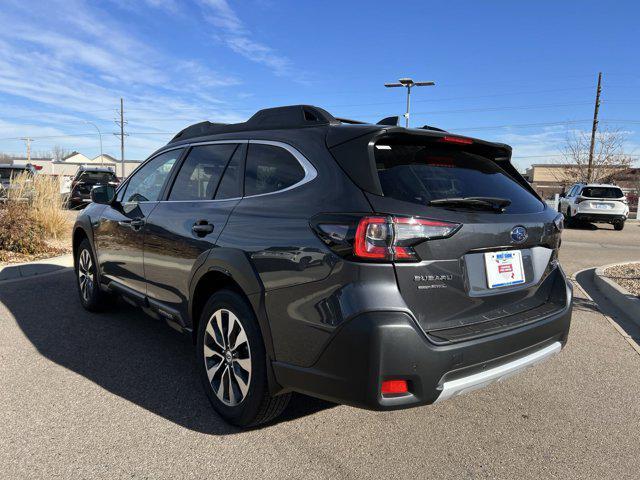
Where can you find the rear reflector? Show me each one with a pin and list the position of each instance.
(390, 387)
(460, 140)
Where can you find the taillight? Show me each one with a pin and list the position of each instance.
(383, 238)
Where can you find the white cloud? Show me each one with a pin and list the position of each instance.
(69, 62)
(233, 33)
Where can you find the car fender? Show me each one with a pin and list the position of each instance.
(235, 264)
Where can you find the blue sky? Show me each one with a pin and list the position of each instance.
(518, 72)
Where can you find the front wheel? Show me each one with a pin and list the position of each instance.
(91, 297)
(233, 364)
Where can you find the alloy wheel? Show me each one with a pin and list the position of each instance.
(86, 276)
(227, 357)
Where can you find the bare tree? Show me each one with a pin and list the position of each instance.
(608, 157)
(58, 153)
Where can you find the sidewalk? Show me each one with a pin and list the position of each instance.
(39, 267)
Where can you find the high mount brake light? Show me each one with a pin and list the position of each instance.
(392, 238)
(460, 140)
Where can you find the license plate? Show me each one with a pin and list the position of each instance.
(602, 206)
(504, 268)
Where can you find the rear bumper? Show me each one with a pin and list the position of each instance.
(599, 217)
(379, 346)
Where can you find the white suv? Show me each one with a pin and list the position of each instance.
(595, 203)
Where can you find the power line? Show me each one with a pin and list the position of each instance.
(485, 127)
(523, 125)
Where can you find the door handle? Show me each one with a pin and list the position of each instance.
(135, 224)
(202, 228)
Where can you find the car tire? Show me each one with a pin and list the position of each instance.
(568, 219)
(91, 295)
(618, 225)
(232, 362)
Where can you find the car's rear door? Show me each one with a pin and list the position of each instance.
(119, 233)
(184, 226)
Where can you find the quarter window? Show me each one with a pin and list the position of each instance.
(201, 171)
(146, 184)
(269, 169)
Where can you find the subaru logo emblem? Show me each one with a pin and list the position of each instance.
(519, 234)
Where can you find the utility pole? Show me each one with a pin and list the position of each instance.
(28, 141)
(594, 128)
(122, 123)
(409, 84)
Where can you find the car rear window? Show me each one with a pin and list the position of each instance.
(95, 177)
(602, 192)
(8, 173)
(419, 173)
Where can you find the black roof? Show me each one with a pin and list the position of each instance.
(277, 118)
(308, 116)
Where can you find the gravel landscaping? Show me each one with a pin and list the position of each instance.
(627, 276)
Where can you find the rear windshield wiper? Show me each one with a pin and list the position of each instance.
(491, 203)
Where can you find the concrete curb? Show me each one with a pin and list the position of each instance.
(628, 303)
(20, 271)
(618, 328)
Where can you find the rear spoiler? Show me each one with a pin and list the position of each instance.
(357, 156)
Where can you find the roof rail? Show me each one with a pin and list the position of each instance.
(429, 127)
(293, 116)
(351, 122)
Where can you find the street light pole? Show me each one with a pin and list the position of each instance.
(100, 137)
(408, 83)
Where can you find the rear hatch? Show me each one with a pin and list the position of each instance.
(602, 198)
(498, 270)
(88, 180)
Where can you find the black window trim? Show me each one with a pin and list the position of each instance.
(310, 171)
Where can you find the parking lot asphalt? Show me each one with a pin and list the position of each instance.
(116, 395)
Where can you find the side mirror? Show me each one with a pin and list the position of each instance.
(562, 195)
(103, 194)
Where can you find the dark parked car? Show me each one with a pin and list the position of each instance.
(9, 172)
(370, 265)
(86, 178)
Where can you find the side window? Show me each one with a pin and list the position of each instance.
(269, 169)
(201, 171)
(231, 183)
(572, 191)
(146, 184)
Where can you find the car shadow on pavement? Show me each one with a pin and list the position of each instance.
(575, 225)
(124, 351)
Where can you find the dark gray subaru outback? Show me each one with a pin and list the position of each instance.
(370, 265)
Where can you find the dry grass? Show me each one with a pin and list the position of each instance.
(35, 223)
(42, 194)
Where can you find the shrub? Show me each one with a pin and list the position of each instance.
(19, 231)
(41, 193)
